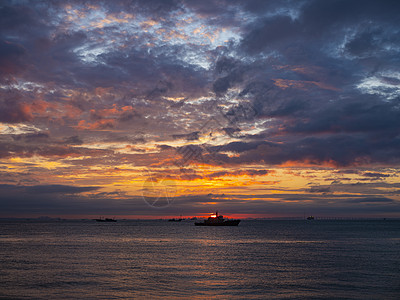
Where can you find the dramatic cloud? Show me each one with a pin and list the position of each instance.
(234, 98)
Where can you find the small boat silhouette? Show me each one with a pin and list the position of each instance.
(218, 220)
(176, 220)
(105, 220)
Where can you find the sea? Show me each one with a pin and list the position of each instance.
(156, 259)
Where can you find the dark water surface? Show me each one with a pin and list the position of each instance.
(158, 259)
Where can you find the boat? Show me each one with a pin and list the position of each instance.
(105, 220)
(310, 218)
(175, 220)
(217, 220)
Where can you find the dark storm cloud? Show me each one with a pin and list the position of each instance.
(270, 32)
(21, 17)
(10, 59)
(319, 15)
(153, 8)
(317, 22)
(361, 114)
(365, 43)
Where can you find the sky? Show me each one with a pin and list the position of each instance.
(139, 109)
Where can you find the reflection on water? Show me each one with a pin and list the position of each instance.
(157, 259)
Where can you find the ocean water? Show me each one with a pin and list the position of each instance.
(158, 259)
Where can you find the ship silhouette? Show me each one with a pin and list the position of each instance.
(217, 220)
(105, 220)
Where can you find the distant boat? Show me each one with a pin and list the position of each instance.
(175, 220)
(310, 218)
(218, 220)
(105, 220)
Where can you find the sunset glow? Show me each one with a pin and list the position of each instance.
(168, 108)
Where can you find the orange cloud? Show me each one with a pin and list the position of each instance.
(98, 125)
(301, 84)
(41, 108)
(113, 112)
(309, 163)
(306, 70)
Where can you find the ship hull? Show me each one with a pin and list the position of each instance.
(224, 223)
